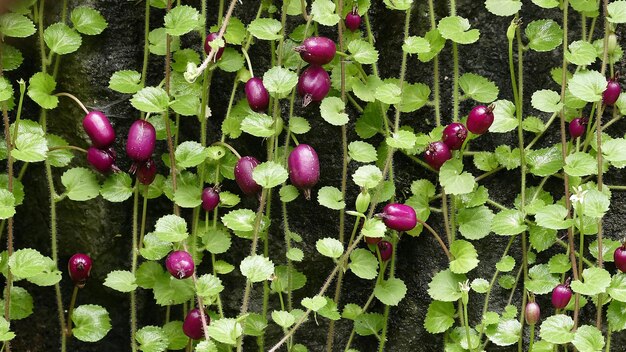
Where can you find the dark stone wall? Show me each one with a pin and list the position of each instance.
(103, 229)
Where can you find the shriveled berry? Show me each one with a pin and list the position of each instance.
(210, 198)
(399, 217)
(243, 175)
(577, 127)
(256, 94)
(612, 92)
(313, 84)
(180, 264)
(141, 141)
(146, 172)
(353, 20)
(79, 267)
(532, 313)
(207, 46)
(304, 168)
(480, 119)
(386, 250)
(561, 295)
(101, 160)
(192, 326)
(620, 258)
(454, 135)
(317, 50)
(436, 154)
(99, 129)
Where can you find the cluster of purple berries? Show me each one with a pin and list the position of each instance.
(314, 81)
(398, 217)
(610, 95)
(101, 154)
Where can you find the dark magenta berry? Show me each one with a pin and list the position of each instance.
(256, 94)
(620, 258)
(353, 20)
(372, 240)
(532, 313)
(399, 217)
(577, 127)
(480, 119)
(454, 135)
(180, 264)
(99, 129)
(141, 141)
(101, 160)
(561, 295)
(210, 198)
(207, 47)
(612, 92)
(243, 175)
(313, 84)
(436, 154)
(192, 326)
(79, 267)
(304, 168)
(146, 172)
(317, 50)
(386, 250)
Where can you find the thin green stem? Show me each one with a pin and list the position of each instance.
(436, 85)
(134, 252)
(70, 310)
(532, 337)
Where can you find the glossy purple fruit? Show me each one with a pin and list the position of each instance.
(620, 258)
(480, 119)
(141, 141)
(577, 127)
(386, 250)
(99, 129)
(210, 198)
(304, 168)
(561, 295)
(353, 20)
(180, 264)
(192, 326)
(317, 50)
(313, 84)
(532, 313)
(256, 94)
(79, 267)
(399, 217)
(454, 135)
(207, 47)
(612, 92)
(436, 154)
(101, 160)
(243, 175)
(146, 172)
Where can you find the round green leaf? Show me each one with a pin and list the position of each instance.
(91, 323)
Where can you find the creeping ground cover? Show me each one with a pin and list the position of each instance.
(315, 175)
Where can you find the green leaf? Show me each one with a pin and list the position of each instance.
(91, 323)
(315, 303)
(390, 292)
(295, 254)
(332, 111)
(533, 124)
(256, 268)
(545, 161)
(454, 180)
(283, 319)
(269, 174)
(559, 264)
(351, 311)
(616, 316)
(485, 161)
(367, 176)
(465, 257)
(415, 45)
(587, 85)
(125, 81)
(171, 228)
(157, 42)
(7, 204)
(478, 87)
(331, 197)
(608, 248)
(400, 5)
(505, 333)
(580, 164)
(61, 39)
(288, 193)
(547, 101)
(475, 223)
(181, 20)
(362, 51)
(240, 220)
(556, 329)
(458, 30)
(363, 264)
(507, 157)
(121, 280)
(414, 97)
(258, 125)
(595, 203)
(504, 117)
(154, 248)
(541, 280)
(581, 53)
(503, 8)
(235, 31)
(389, 93)
(440, 317)
(231, 60)
(190, 154)
(88, 21)
(5, 333)
(329, 247)
(279, 81)
(506, 264)
(508, 222)
(370, 123)
(323, 12)
(596, 281)
(26, 263)
(402, 140)
(541, 238)
(480, 285)
(150, 99)
(588, 339)
(80, 184)
(225, 330)
(362, 152)
(265, 28)
(283, 275)
(16, 25)
(546, 4)
(369, 324)
(374, 228)
(299, 125)
(254, 325)
(436, 41)
(30, 147)
(616, 12)
(617, 288)
(40, 88)
(21, 303)
(544, 35)
(117, 187)
(552, 217)
(59, 157)
(445, 286)
(208, 286)
(152, 339)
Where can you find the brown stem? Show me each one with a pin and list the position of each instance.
(437, 237)
(80, 103)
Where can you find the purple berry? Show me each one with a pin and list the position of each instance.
(561, 295)
(180, 264)
(79, 267)
(399, 217)
(141, 141)
(101, 160)
(304, 168)
(436, 154)
(313, 84)
(612, 92)
(256, 94)
(454, 135)
(577, 127)
(532, 313)
(146, 172)
(353, 20)
(372, 240)
(243, 175)
(386, 250)
(192, 326)
(480, 119)
(210, 198)
(620, 258)
(99, 129)
(207, 47)
(317, 50)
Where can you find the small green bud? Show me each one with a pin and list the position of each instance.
(363, 201)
